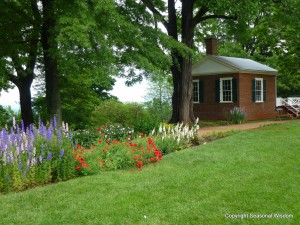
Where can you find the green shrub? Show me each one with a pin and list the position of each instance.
(86, 138)
(115, 132)
(133, 115)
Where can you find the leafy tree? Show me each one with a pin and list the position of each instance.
(6, 116)
(270, 36)
(19, 38)
(134, 115)
(182, 20)
(159, 97)
(287, 48)
(68, 39)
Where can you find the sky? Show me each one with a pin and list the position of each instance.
(136, 93)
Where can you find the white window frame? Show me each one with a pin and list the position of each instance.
(221, 89)
(198, 91)
(261, 91)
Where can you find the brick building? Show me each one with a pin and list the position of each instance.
(221, 83)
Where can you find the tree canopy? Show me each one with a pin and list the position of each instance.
(76, 48)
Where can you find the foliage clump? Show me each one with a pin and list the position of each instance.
(237, 115)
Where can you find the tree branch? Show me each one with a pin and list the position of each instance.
(149, 4)
(218, 17)
(199, 15)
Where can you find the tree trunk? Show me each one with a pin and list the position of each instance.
(23, 81)
(25, 101)
(49, 44)
(182, 99)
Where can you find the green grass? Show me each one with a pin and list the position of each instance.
(251, 172)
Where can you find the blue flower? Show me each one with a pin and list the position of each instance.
(61, 153)
(49, 157)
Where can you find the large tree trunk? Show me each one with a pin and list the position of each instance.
(182, 99)
(23, 81)
(25, 101)
(49, 45)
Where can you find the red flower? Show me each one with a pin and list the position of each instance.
(99, 141)
(150, 142)
(83, 164)
(115, 142)
(98, 129)
(77, 168)
(158, 154)
(139, 164)
(132, 145)
(148, 148)
(77, 157)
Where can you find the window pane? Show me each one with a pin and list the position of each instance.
(258, 90)
(227, 90)
(195, 91)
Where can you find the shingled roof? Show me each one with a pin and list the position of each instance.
(214, 64)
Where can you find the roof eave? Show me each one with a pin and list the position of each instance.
(259, 72)
(237, 72)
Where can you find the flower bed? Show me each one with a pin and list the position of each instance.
(107, 155)
(35, 156)
(41, 155)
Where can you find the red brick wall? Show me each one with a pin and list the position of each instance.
(211, 110)
(258, 111)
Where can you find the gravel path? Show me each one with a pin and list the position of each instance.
(245, 126)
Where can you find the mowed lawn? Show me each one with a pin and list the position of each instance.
(229, 181)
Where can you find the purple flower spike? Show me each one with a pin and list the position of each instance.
(10, 160)
(59, 136)
(20, 165)
(49, 157)
(23, 126)
(61, 153)
(54, 122)
(49, 134)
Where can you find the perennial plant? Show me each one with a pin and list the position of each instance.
(237, 115)
(170, 138)
(35, 155)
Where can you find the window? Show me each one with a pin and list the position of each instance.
(197, 91)
(258, 90)
(226, 89)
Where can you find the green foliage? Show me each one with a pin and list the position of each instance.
(278, 49)
(112, 112)
(159, 97)
(6, 116)
(86, 137)
(115, 132)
